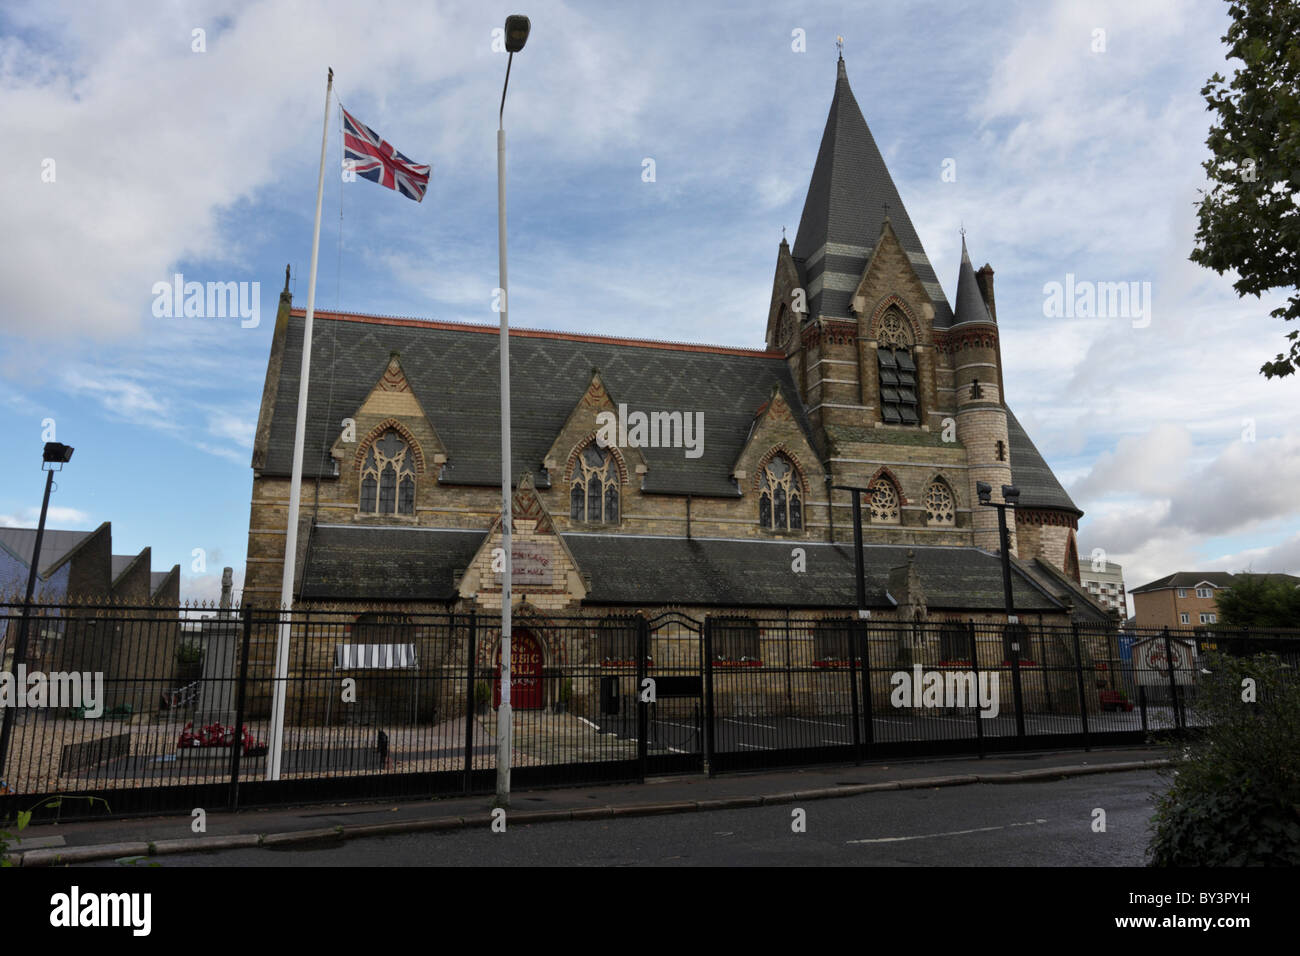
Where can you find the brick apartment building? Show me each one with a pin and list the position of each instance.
(1183, 599)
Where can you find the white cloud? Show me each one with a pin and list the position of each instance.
(70, 519)
(238, 429)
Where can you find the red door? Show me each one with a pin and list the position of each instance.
(525, 673)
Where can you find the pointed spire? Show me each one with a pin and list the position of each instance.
(850, 196)
(970, 301)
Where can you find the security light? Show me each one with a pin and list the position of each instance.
(57, 453)
(984, 490)
(1010, 494)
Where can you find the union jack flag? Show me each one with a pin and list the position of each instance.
(376, 160)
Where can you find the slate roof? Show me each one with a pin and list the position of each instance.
(120, 562)
(1060, 583)
(386, 564)
(453, 371)
(55, 545)
(1189, 579)
(971, 306)
(843, 212)
(1031, 473)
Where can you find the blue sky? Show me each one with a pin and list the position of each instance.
(167, 160)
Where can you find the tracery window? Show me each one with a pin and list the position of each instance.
(388, 477)
(884, 502)
(899, 404)
(940, 507)
(593, 492)
(780, 496)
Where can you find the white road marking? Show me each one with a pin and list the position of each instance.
(832, 740)
(828, 723)
(748, 723)
(753, 746)
(930, 836)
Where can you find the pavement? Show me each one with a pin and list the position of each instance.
(57, 844)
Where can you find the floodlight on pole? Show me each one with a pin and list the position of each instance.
(55, 455)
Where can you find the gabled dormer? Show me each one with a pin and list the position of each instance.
(388, 450)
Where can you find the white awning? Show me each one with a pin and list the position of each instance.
(374, 656)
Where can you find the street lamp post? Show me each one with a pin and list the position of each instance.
(859, 569)
(56, 456)
(1010, 497)
(516, 35)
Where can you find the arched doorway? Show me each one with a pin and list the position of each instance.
(525, 672)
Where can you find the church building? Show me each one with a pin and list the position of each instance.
(655, 476)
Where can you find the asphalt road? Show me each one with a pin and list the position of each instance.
(1031, 824)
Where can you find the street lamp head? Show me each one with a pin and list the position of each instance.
(1010, 494)
(57, 453)
(517, 27)
(984, 490)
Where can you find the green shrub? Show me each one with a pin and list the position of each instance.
(189, 652)
(1234, 794)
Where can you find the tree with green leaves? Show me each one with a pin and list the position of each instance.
(1234, 790)
(1260, 601)
(1250, 216)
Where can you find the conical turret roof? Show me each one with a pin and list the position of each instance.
(971, 306)
(849, 197)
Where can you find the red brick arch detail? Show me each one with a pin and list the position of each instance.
(883, 305)
(359, 458)
(780, 449)
(578, 449)
(884, 472)
(1036, 516)
(528, 616)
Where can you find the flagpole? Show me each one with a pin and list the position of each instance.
(280, 686)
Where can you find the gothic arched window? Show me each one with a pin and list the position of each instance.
(780, 496)
(885, 508)
(896, 358)
(940, 506)
(388, 477)
(593, 492)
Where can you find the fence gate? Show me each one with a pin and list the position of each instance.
(674, 721)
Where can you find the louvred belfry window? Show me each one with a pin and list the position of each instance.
(899, 404)
(594, 493)
(388, 477)
(780, 496)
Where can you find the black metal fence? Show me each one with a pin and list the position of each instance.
(154, 711)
